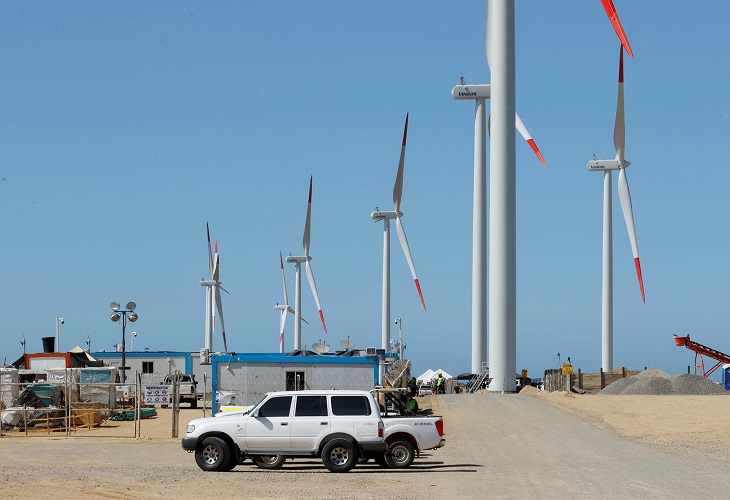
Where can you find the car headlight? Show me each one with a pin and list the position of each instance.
(190, 428)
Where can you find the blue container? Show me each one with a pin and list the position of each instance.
(726, 377)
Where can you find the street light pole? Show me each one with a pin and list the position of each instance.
(399, 322)
(122, 313)
(58, 320)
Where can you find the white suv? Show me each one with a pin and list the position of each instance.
(338, 426)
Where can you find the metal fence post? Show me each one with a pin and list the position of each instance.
(175, 403)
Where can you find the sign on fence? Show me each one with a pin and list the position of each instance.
(157, 394)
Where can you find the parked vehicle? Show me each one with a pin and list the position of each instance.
(405, 434)
(338, 426)
(188, 392)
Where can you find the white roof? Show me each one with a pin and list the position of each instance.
(429, 375)
(426, 376)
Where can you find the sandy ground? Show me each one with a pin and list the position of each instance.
(498, 446)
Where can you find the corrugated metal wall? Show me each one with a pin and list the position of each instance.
(250, 381)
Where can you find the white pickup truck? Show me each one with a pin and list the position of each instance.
(407, 436)
(339, 426)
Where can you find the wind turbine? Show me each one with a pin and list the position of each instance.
(284, 308)
(310, 277)
(213, 294)
(607, 166)
(386, 217)
(480, 93)
(502, 213)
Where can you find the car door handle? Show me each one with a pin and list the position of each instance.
(285, 423)
(323, 423)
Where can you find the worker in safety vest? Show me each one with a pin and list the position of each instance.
(440, 389)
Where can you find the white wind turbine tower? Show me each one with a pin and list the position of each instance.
(502, 213)
(310, 277)
(213, 289)
(386, 217)
(606, 166)
(480, 93)
(285, 308)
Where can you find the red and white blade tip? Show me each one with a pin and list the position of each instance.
(641, 279)
(324, 325)
(621, 66)
(617, 26)
(420, 294)
(536, 150)
(405, 131)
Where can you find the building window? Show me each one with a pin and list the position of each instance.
(295, 381)
(147, 367)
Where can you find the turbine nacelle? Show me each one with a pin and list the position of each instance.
(466, 92)
(210, 283)
(383, 215)
(607, 164)
(298, 260)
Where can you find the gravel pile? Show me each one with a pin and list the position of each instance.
(658, 383)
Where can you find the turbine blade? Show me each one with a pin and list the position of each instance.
(210, 252)
(617, 26)
(282, 323)
(619, 128)
(283, 279)
(625, 197)
(523, 130)
(219, 305)
(216, 268)
(398, 187)
(313, 286)
(407, 251)
(307, 224)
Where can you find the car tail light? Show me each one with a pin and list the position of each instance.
(440, 426)
(380, 429)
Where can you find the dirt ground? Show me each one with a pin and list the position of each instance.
(498, 446)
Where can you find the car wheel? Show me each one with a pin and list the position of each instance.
(399, 454)
(194, 403)
(270, 462)
(339, 455)
(213, 454)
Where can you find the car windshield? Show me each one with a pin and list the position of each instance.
(258, 403)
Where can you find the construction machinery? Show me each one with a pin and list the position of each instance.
(701, 351)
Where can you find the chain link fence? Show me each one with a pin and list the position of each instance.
(64, 405)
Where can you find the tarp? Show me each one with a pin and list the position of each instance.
(425, 376)
(429, 375)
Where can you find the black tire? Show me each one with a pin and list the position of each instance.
(213, 454)
(339, 455)
(380, 460)
(400, 454)
(194, 403)
(269, 462)
(232, 460)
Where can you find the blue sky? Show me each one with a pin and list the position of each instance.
(126, 126)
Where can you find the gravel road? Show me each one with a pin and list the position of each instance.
(498, 446)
